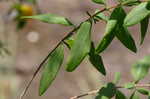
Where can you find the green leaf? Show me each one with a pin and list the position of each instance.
(99, 1)
(129, 85)
(125, 37)
(143, 91)
(51, 69)
(129, 2)
(101, 16)
(117, 77)
(108, 36)
(122, 32)
(134, 96)
(69, 42)
(118, 14)
(81, 46)
(107, 92)
(120, 95)
(141, 68)
(149, 95)
(96, 60)
(137, 14)
(50, 18)
(144, 27)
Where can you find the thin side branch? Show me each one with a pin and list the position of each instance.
(97, 90)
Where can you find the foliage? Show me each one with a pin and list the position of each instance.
(81, 45)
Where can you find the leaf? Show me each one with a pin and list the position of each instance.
(51, 69)
(107, 92)
(129, 85)
(141, 68)
(118, 14)
(114, 21)
(96, 60)
(130, 2)
(117, 77)
(50, 18)
(127, 1)
(120, 95)
(99, 1)
(125, 37)
(108, 36)
(121, 32)
(137, 14)
(69, 42)
(149, 95)
(101, 16)
(143, 91)
(81, 46)
(144, 27)
(134, 96)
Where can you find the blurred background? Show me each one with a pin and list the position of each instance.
(21, 51)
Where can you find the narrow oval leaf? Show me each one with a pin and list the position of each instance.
(141, 68)
(126, 39)
(108, 36)
(122, 32)
(117, 77)
(120, 95)
(96, 60)
(137, 14)
(129, 2)
(116, 20)
(143, 91)
(129, 85)
(69, 42)
(101, 16)
(50, 18)
(81, 46)
(99, 1)
(51, 69)
(144, 27)
(107, 92)
(134, 96)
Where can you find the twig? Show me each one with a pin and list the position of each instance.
(88, 93)
(97, 90)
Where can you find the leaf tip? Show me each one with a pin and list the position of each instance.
(42, 90)
(69, 69)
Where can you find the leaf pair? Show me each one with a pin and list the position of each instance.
(107, 92)
(95, 59)
(114, 28)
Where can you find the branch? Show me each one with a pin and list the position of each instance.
(97, 90)
(61, 41)
(44, 60)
